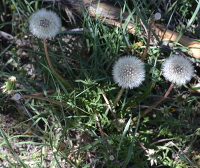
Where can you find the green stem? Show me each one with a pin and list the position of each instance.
(118, 97)
(52, 68)
(155, 104)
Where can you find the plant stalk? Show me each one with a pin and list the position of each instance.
(155, 104)
(46, 99)
(118, 97)
(148, 40)
(52, 68)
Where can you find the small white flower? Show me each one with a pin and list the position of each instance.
(111, 157)
(16, 96)
(44, 24)
(157, 16)
(152, 156)
(178, 69)
(9, 85)
(128, 72)
(12, 79)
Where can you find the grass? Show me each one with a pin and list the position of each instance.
(84, 130)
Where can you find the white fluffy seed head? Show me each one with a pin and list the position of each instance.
(12, 79)
(157, 16)
(178, 69)
(128, 72)
(44, 24)
(16, 96)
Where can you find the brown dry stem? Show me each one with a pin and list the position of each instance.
(46, 99)
(155, 104)
(148, 40)
(52, 68)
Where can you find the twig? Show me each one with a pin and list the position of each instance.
(102, 133)
(108, 104)
(142, 146)
(85, 141)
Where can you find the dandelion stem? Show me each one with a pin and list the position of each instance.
(52, 68)
(42, 93)
(118, 97)
(46, 99)
(155, 104)
(148, 40)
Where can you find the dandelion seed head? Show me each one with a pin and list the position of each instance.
(111, 157)
(178, 69)
(128, 72)
(157, 16)
(44, 24)
(12, 79)
(16, 96)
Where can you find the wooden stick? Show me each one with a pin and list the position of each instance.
(166, 34)
(111, 15)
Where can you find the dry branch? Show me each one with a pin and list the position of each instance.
(111, 15)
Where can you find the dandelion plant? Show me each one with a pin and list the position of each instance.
(45, 25)
(128, 72)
